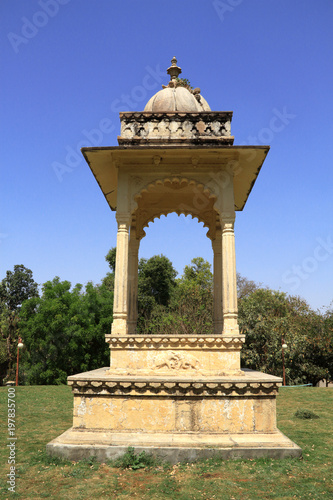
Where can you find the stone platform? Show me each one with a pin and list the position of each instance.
(77, 445)
(182, 417)
(183, 397)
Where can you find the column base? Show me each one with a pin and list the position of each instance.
(119, 327)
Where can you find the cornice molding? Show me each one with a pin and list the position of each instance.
(149, 115)
(174, 341)
(177, 388)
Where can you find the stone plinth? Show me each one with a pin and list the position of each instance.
(178, 418)
(174, 356)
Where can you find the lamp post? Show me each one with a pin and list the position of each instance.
(19, 346)
(284, 346)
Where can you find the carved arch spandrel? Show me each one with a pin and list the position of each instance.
(174, 194)
(175, 181)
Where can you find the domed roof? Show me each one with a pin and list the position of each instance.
(176, 99)
(177, 96)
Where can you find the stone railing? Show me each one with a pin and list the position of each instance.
(146, 128)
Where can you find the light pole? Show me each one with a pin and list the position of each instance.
(19, 346)
(284, 346)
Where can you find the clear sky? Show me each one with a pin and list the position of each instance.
(69, 67)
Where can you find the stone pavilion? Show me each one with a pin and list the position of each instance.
(182, 397)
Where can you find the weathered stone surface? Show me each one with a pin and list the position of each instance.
(103, 382)
(181, 396)
(150, 354)
(175, 128)
(77, 445)
(204, 342)
(176, 99)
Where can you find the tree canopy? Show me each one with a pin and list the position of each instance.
(268, 318)
(157, 278)
(199, 273)
(64, 328)
(187, 308)
(111, 258)
(17, 286)
(64, 331)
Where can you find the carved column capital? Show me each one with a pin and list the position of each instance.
(227, 220)
(123, 220)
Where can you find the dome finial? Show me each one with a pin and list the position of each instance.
(174, 70)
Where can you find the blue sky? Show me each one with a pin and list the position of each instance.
(70, 66)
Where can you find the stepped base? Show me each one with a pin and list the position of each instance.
(77, 444)
(179, 417)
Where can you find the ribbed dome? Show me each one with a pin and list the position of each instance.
(176, 99)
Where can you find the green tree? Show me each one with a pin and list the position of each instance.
(15, 288)
(268, 318)
(156, 283)
(318, 357)
(9, 324)
(108, 280)
(193, 299)
(156, 279)
(111, 258)
(64, 331)
(327, 346)
(198, 273)
(245, 287)
(189, 306)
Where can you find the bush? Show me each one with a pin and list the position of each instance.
(130, 460)
(305, 414)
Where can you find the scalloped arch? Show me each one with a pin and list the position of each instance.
(205, 215)
(152, 219)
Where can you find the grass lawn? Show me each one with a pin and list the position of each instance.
(44, 412)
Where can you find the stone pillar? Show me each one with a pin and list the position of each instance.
(133, 261)
(229, 281)
(120, 304)
(218, 311)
